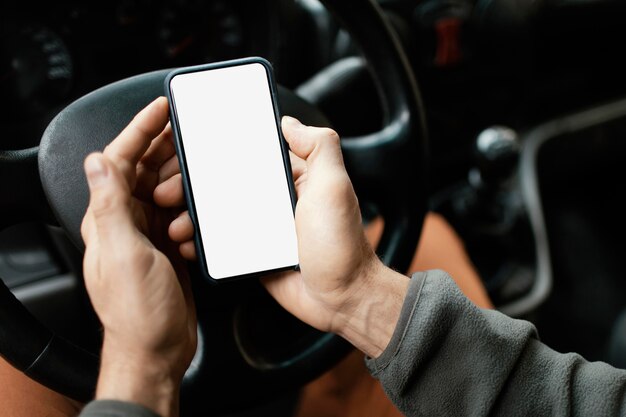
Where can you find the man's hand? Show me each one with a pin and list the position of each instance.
(134, 274)
(336, 261)
(342, 286)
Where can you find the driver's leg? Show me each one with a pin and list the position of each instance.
(348, 390)
(20, 396)
(441, 248)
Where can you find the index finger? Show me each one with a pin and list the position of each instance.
(134, 140)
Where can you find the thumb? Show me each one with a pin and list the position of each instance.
(109, 201)
(316, 145)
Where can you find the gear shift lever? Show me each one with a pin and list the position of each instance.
(490, 213)
(497, 151)
(494, 203)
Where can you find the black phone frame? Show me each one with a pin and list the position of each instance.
(180, 151)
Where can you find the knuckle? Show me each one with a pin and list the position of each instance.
(105, 203)
(84, 226)
(330, 135)
(138, 127)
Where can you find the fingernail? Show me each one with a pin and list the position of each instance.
(291, 121)
(95, 169)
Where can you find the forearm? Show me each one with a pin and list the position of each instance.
(447, 357)
(370, 323)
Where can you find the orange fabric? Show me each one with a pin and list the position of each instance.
(441, 248)
(20, 396)
(348, 390)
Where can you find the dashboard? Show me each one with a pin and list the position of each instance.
(477, 62)
(59, 51)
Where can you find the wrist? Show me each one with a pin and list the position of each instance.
(368, 322)
(139, 378)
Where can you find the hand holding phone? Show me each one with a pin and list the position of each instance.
(235, 167)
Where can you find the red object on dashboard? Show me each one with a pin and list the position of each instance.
(448, 51)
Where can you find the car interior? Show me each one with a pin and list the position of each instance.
(504, 117)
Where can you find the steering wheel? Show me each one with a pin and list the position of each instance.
(249, 349)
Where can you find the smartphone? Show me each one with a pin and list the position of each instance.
(235, 167)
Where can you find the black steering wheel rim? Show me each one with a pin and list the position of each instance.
(387, 167)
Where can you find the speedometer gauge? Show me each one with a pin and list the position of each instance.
(35, 66)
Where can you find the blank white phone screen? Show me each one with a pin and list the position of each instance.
(235, 166)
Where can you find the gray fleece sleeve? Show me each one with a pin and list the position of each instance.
(448, 357)
(113, 408)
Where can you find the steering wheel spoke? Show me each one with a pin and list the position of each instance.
(383, 173)
(378, 160)
(332, 80)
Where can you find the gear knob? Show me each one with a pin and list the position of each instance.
(497, 151)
